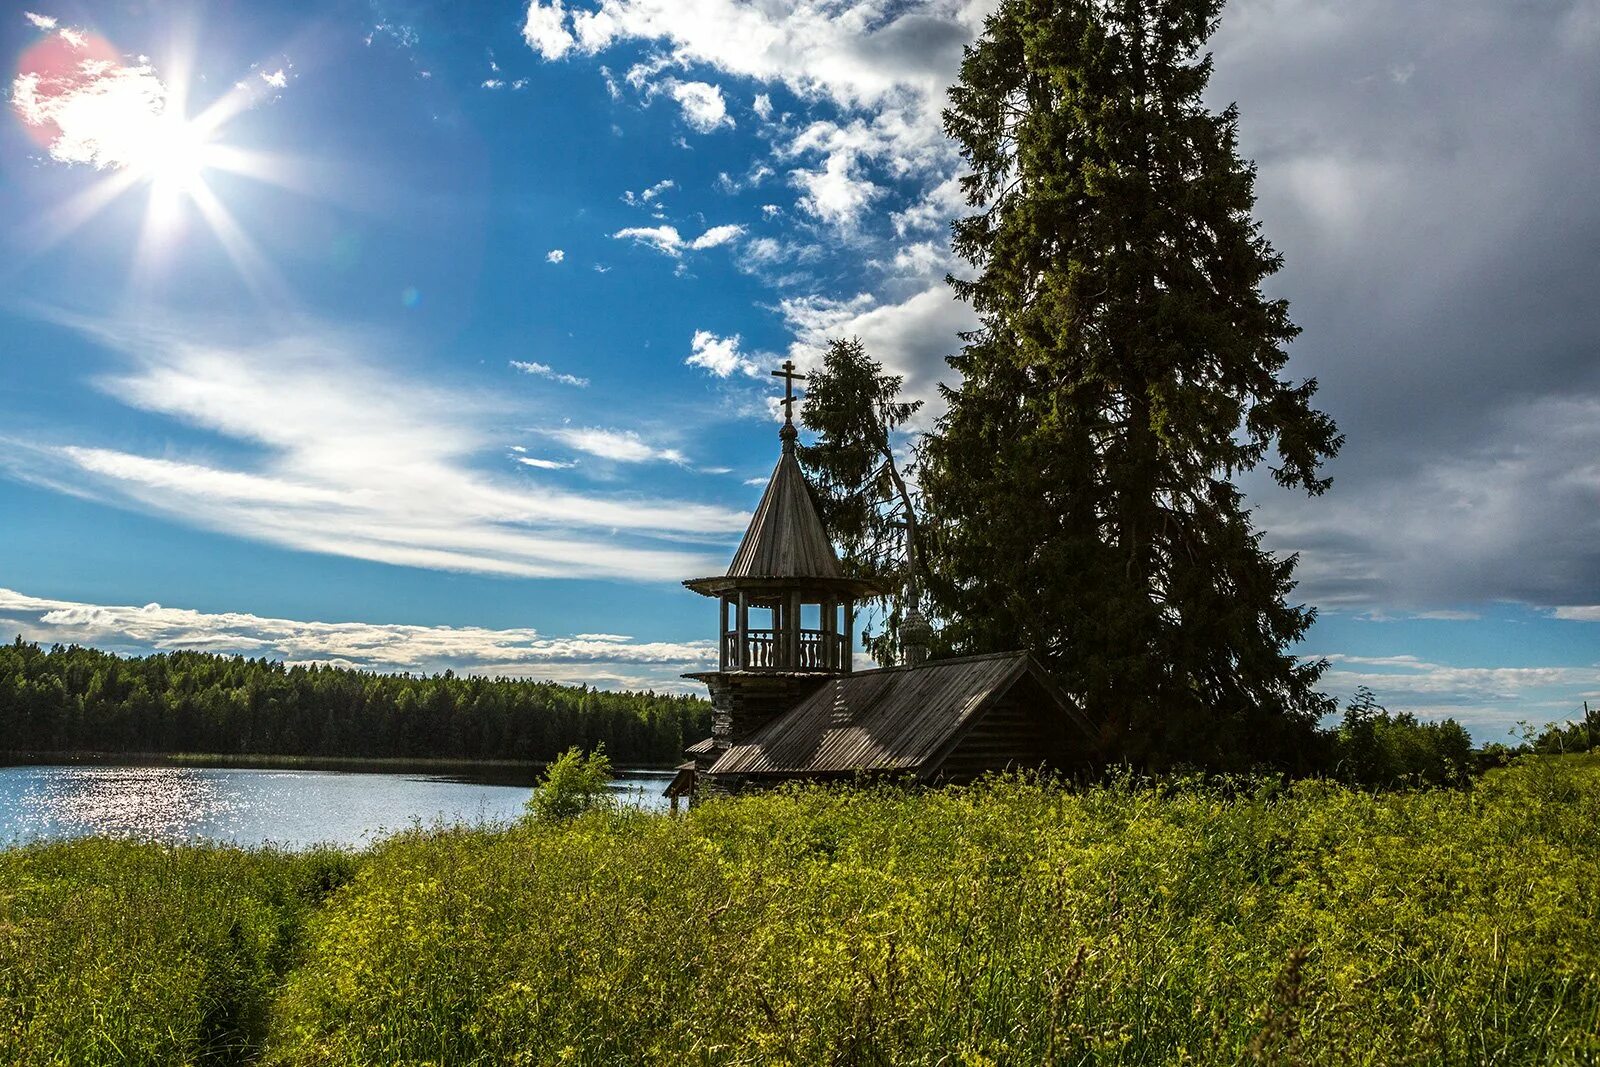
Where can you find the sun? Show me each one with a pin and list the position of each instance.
(174, 156)
(87, 104)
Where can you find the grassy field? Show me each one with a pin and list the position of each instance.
(1010, 923)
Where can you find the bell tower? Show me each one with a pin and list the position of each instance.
(785, 609)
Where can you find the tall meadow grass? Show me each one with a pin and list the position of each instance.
(1009, 923)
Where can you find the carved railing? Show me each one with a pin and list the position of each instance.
(769, 650)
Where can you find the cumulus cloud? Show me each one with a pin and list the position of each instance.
(910, 337)
(719, 355)
(43, 22)
(596, 658)
(93, 109)
(544, 370)
(331, 453)
(544, 32)
(702, 105)
(78, 97)
(1435, 208)
(884, 71)
(555, 255)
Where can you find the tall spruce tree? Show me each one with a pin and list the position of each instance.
(866, 502)
(1126, 370)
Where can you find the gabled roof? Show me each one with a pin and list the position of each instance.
(897, 719)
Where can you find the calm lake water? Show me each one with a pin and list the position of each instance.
(291, 808)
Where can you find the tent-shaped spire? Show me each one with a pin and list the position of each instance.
(786, 543)
(786, 538)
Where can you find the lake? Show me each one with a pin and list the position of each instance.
(293, 808)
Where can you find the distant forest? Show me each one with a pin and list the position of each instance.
(73, 699)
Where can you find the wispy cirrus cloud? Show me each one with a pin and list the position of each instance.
(619, 446)
(330, 452)
(544, 370)
(668, 241)
(612, 659)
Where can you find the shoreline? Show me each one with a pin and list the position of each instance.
(242, 761)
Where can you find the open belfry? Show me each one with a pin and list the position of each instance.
(787, 702)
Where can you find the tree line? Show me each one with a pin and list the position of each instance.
(76, 699)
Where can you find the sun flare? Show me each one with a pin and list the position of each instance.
(174, 155)
(86, 103)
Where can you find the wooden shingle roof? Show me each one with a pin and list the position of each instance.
(785, 542)
(786, 538)
(896, 719)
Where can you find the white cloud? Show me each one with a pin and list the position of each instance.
(910, 338)
(1488, 700)
(668, 241)
(544, 370)
(492, 83)
(100, 112)
(43, 22)
(620, 446)
(333, 454)
(702, 105)
(544, 32)
(716, 235)
(1578, 612)
(719, 355)
(663, 238)
(648, 195)
(109, 114)
(613, 658)
(923, 258)
(546, 464)
(555, 255)
(886, 70)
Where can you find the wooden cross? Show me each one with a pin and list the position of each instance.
(789, 378)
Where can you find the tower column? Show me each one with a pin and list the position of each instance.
(722, 633)
(742, 651)
(848, 652)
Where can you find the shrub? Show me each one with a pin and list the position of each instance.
(572, 785)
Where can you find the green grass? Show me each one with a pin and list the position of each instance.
(1004, 924)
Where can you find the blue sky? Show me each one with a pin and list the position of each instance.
(414, 335)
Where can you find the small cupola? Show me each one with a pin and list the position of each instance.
(786, 604)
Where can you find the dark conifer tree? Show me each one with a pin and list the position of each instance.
(866, 502)
(1127, 368)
